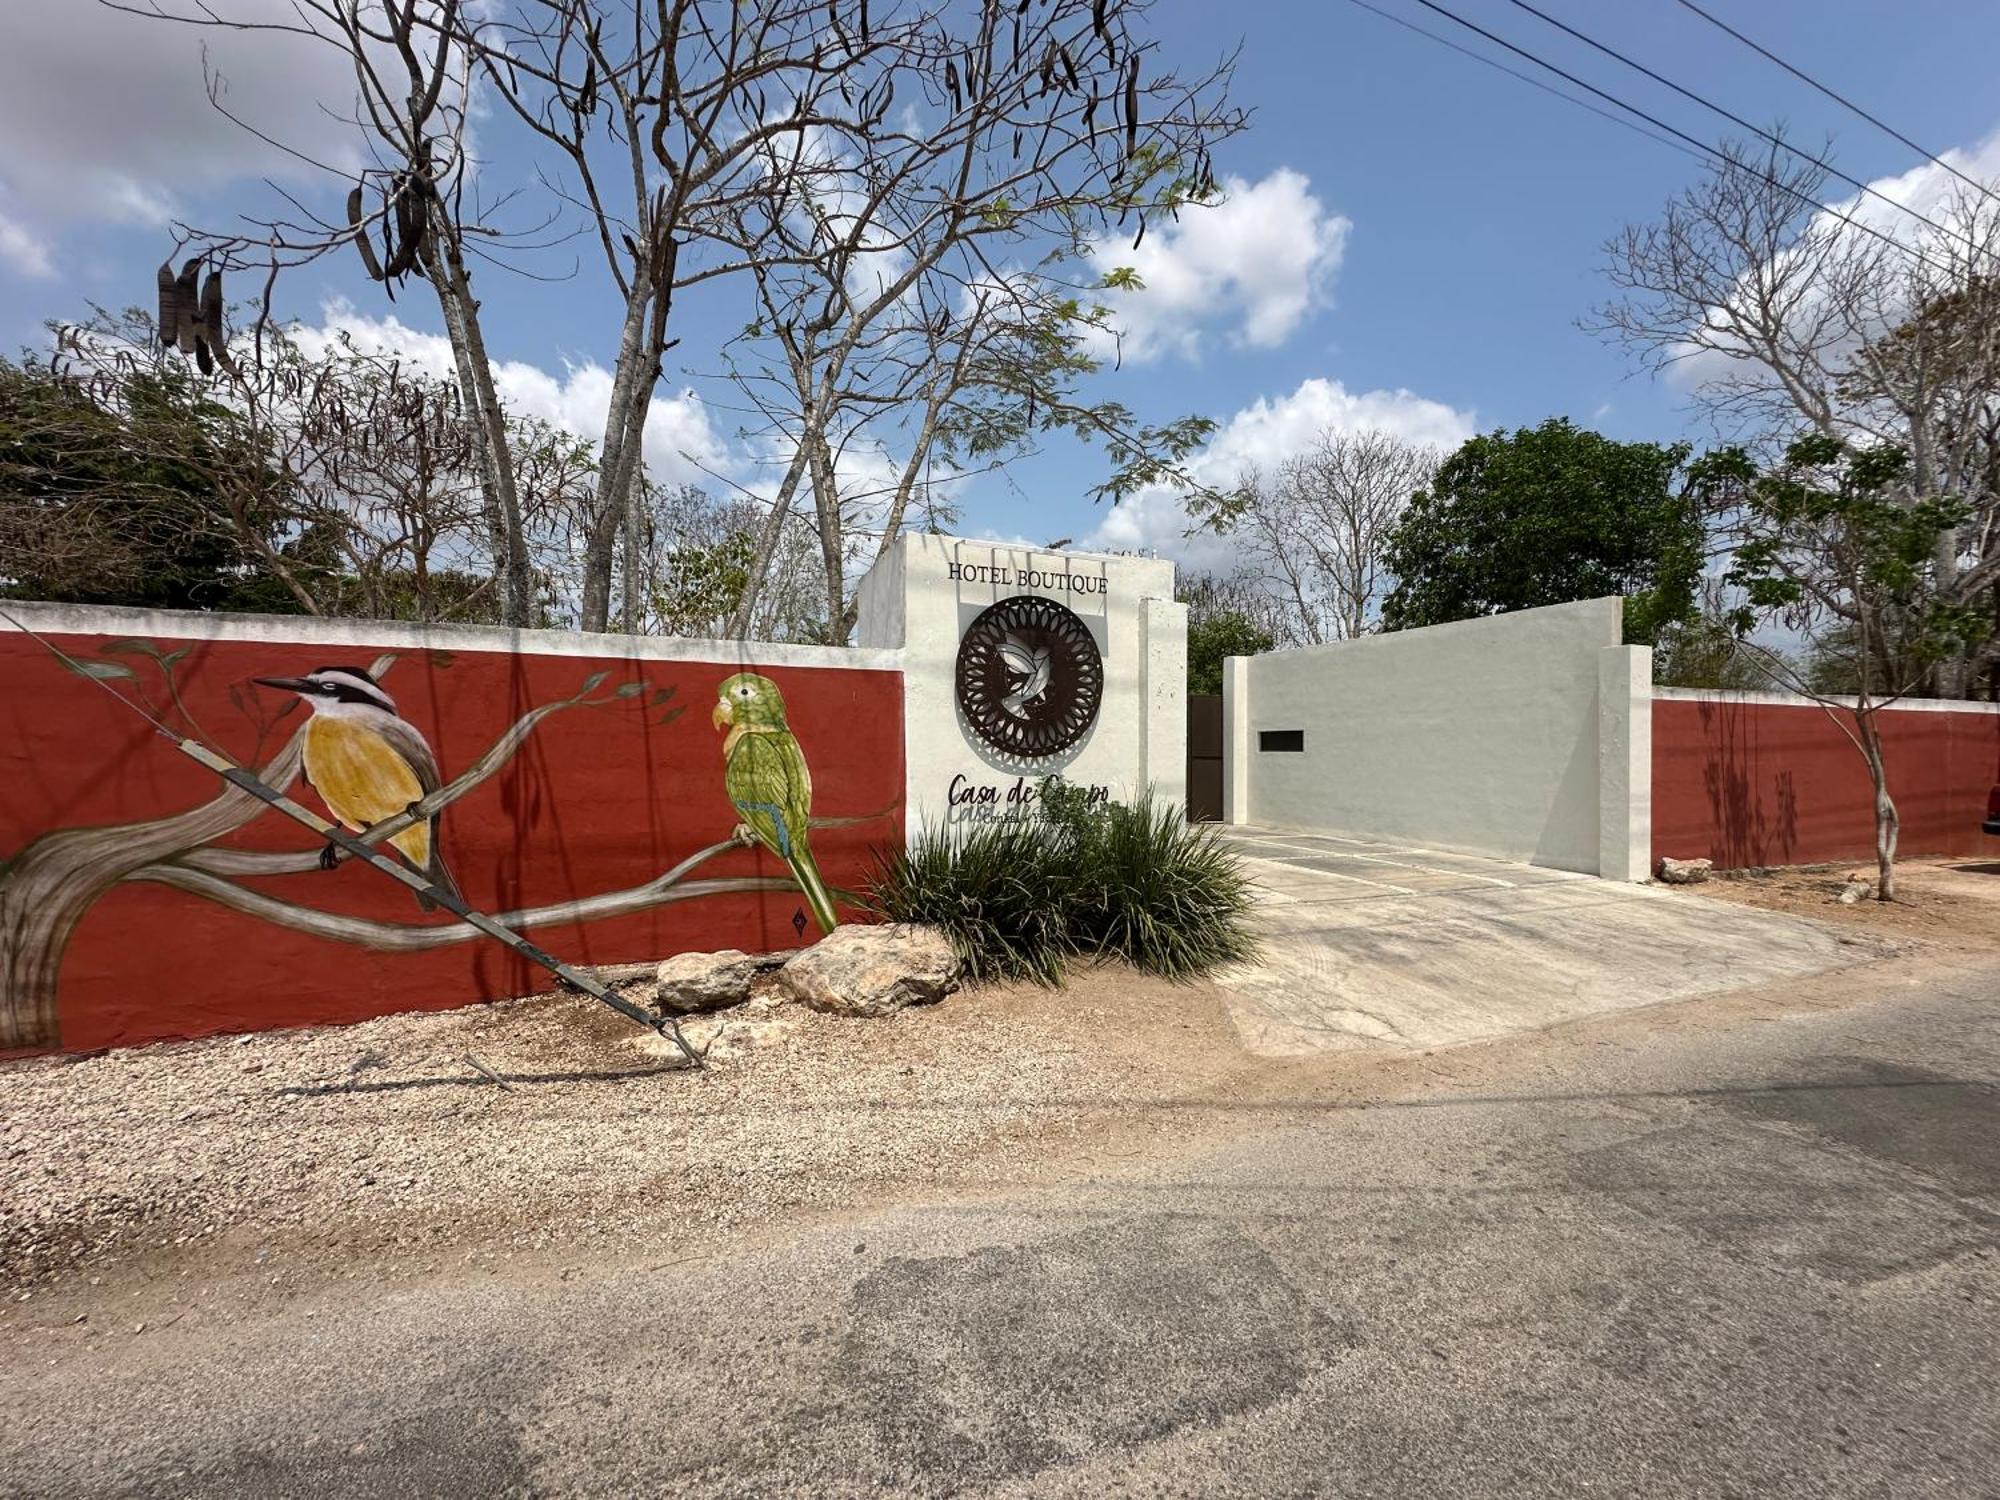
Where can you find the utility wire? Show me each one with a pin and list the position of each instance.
(1841, 99)
(1527, 78)
(1708, 152)
(1709, 104)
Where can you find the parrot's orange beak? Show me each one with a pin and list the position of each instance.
(722, 715)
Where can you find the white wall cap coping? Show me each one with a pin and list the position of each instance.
(1799, 700)
(311, 630)
(1611, 604)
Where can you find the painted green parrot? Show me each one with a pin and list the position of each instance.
(765, 772)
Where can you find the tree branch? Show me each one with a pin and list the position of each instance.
(406, 937)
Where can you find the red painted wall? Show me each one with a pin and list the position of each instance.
(1779, 784)
(600, 798)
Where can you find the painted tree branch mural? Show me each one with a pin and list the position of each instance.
(52, 883)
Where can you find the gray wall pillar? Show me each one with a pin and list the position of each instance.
(1625, 762)
(1236, 739)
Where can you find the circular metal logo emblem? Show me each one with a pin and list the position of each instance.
(1030, 678)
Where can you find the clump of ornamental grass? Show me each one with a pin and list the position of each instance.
(1084, 878)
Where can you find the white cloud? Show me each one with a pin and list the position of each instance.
(23, 252)
(1259, 436)
(681, 443)
(109, 117)
(1260, 261)
(1929, 191)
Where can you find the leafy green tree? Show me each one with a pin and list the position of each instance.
(1833, 546)
(1547, 515)
(1706, 652)
(1233, 615)
(700, 586)
(107, 491)
(1226, 633)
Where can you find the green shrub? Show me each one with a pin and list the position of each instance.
(1165, 897)
(1084, 879)
(987, 890)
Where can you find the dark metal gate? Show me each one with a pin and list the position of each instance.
(1204, 749)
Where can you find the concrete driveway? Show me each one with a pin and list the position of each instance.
(1379, 945)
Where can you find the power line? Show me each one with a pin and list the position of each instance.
(1842, 100)
(1709, 104)
(1529, 79)
(1708, 152)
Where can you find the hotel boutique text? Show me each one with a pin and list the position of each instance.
(1025, 578)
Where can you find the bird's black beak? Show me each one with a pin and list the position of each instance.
(288, 684)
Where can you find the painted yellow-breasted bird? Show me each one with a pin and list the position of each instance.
(765, 773)
(368, 763)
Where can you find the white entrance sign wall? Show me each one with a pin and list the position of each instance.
(925, 595)
(1526, 736)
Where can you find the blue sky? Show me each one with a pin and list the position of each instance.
(1413, 240)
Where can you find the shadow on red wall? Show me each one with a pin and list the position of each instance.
(1746, 783)
(142, 900)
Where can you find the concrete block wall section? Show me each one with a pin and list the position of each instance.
(1772, 779)
(594, 809)
(1521, 736)
(1625, 762)
(139, 900)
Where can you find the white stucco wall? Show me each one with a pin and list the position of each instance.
(920, 598)
(1480, 735)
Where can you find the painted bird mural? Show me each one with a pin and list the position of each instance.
(368, 763)
(765, 773)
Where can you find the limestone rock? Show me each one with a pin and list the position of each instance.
(1684, 871)
(872, 971)
(706, 981)
(718, 1038)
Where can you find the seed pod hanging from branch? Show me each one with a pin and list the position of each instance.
(361, 240)
(211, 342)
(1132, 105)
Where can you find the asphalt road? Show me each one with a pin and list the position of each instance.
(1662, 1255)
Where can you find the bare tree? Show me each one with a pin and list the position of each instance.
(665, 116)
(1785, 317)
(1317, 526)
(934, 299)
(1245, 593)
(413, 78)
(843, 154)
(343, 478)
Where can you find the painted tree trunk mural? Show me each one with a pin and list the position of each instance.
(48, 887)
(56, 878)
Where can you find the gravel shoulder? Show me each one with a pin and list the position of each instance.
(303, 1153)
(273, 1162)
(1942, 903)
